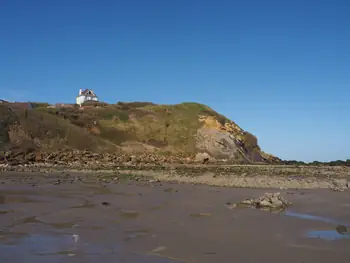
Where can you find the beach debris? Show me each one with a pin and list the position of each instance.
(269, 201)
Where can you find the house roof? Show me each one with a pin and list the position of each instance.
(88, 92)
(3, 101)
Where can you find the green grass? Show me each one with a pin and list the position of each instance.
(57, 133)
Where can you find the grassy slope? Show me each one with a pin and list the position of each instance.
(170, 128)
(7, 118)
(49, 132)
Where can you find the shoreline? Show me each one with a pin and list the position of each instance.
(236, 176)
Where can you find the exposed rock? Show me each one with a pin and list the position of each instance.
(339, 185)
(272, 201)
(341, 229)
(216, 142)
(202, 158)
(30, 156)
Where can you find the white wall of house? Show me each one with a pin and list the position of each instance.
(82, 98)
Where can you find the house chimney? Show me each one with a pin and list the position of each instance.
(80, 91)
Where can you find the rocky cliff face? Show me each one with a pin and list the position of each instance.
(228, 141)
(170, 130)
(216, 143)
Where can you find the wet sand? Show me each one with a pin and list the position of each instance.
(81, 219)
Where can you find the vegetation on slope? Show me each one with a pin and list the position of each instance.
(38, 129)
(164, 129)
(170, 127)
(317, 163)
(7, 118)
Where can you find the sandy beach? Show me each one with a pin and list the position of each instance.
(78, 218)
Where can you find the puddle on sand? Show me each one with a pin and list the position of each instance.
(312, 217)
(46, 248)
(327, 234)
(58, 248)
(322, 234)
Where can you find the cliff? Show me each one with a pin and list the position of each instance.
(171, 130)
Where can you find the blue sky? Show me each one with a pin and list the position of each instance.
(280, 69)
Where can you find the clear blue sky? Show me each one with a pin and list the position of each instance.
(280, 69)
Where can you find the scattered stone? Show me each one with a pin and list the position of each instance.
(341, 229)
(79, 159)
(57, 182)
(30, 157)
(271, 201)
(339, 185)
(154, 181)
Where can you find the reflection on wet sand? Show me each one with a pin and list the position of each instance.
(312, 217)
(133, 224)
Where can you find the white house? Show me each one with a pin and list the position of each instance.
(86, 95)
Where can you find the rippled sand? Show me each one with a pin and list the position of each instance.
(85, 220)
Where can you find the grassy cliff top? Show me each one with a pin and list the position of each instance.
(139, 126)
